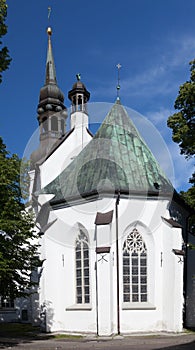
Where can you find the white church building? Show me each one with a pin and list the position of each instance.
(113, 229)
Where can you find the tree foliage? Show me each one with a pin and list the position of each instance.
(182, 124)
(18, 241)
(189, 195)
(4, 52)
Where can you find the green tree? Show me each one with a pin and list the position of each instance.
(18, 241)
(182, 124)
(4, 52)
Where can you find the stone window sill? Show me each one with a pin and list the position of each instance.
(77, 307)
(138, 306)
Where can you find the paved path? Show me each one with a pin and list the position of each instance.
(174, 342)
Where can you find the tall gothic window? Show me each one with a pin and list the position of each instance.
(82, 269)
(134, 269)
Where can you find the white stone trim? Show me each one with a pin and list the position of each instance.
(77, 307)
(138, 306)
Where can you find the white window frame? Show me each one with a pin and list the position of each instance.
(82, 267)
(134, 249)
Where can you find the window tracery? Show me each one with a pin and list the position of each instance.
(134, 268)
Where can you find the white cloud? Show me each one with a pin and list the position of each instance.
(183, 168)
(160, 76)
(181, 52)
(158, 117)
(176, 166)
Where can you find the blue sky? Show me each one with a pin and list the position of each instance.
(154, 40)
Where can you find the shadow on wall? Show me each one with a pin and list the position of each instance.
(41, 315)
(46, 316)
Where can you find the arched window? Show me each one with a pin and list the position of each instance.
(62, 126)
(54, 123)
(134, 269)
(82, 269)
(80, 100)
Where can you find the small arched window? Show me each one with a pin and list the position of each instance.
(62, 126)
(80, 100)
(134, 269)
(54, 123)
(82, 269)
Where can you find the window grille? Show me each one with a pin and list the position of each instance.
(134, 269)
(82, 269)
(6, 303)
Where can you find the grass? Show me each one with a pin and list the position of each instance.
(65, 336)
(189, 331)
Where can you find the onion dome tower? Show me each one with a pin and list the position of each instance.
(79, 96)
(51, 110)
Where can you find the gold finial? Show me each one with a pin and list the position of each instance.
(49, 31)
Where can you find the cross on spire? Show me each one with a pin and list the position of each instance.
(118, 85)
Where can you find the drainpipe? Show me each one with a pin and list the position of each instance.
(117, 264)
(96, 280)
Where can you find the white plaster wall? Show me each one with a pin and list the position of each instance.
(105, 270)
(172, 280)
(32, 177)
(66, 152)
(79, 120)
(59, 280)
(165, 274)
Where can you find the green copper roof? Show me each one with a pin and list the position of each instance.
(115, 159)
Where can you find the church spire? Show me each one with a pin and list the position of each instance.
(51, 110)
(51, 101)
(50, 66)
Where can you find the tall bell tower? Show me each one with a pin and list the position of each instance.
(51, 110)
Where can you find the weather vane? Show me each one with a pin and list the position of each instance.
(78, 76)
(118, 85)
(49, 12)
